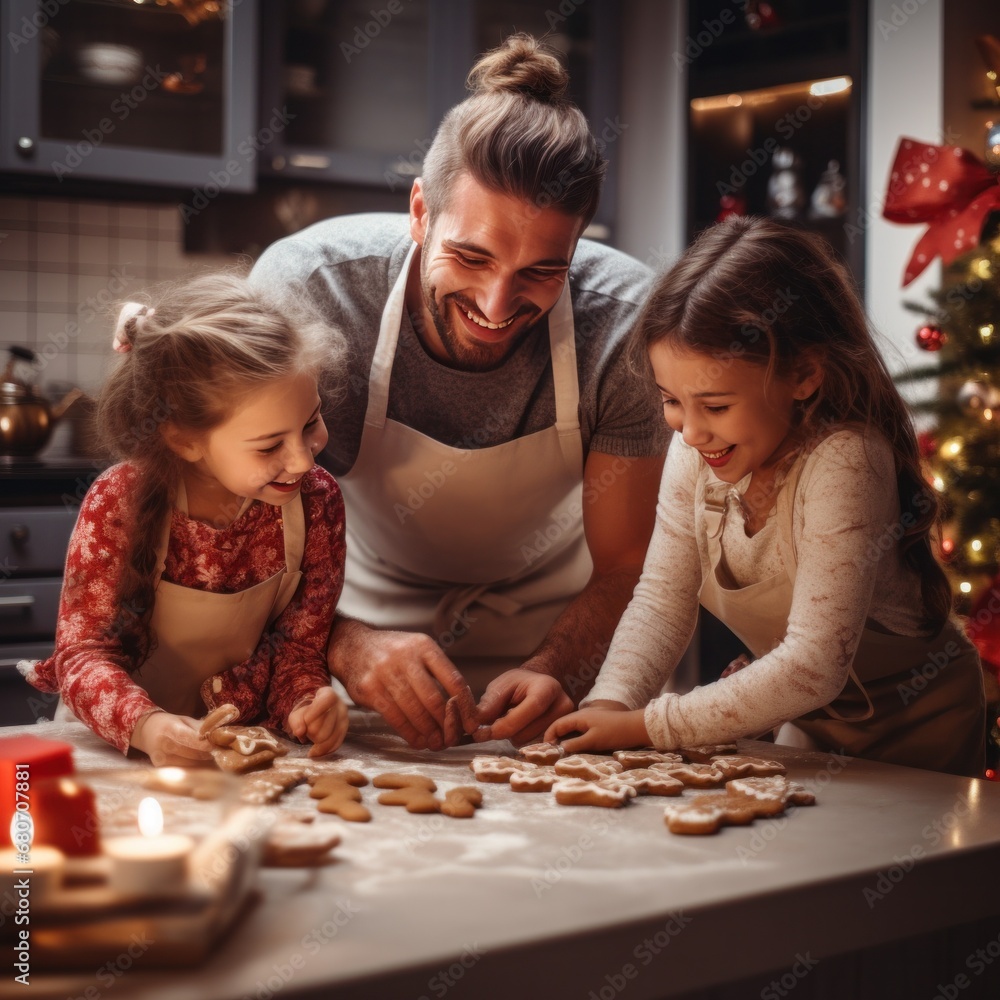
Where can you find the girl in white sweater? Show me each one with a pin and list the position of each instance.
(793, 507)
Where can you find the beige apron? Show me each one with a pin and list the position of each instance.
(912, 701)
(200, 634)
(479, 548)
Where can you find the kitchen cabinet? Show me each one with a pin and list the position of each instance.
(364, 85)
(776, 97)
(39, 500)
(129, 90)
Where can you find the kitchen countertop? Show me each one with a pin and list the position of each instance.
(531, 899)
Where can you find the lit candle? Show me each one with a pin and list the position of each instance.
(37, 872)
(153, 863)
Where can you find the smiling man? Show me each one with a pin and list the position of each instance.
(499, 461)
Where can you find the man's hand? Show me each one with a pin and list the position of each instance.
(407, 678)
(519, 704)
(171, 740)
(605, 725)
(320, 719)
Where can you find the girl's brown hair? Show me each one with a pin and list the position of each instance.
(194, 354)
(765, 292)
(518, 134)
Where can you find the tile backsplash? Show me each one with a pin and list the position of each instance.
(65, 264)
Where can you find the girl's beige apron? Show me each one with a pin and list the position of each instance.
(479, 548)
(913, 701)
(200, 634)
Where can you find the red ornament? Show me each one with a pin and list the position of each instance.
(947, 548)
(731, 204)
(927, 444)
(931, 338)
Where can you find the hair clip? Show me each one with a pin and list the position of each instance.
(128, 325)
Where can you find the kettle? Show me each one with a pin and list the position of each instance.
(27, 418)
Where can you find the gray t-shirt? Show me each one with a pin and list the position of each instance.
(346, 267)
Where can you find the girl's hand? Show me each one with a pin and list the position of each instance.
(608, 727)
(321, 719)
(171, 740)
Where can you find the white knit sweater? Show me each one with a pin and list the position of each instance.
(845, 523)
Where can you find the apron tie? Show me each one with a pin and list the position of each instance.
(452, 607)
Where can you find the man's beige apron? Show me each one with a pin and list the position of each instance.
(479, 548)
(200, 634)
(912, 701)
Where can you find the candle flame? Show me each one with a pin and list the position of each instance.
(150, 818)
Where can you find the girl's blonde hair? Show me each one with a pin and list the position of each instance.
(518, 134)
(193, 355)
(765, 292)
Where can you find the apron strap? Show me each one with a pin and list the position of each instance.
(385, 348)
(565, 378)
(786, 543)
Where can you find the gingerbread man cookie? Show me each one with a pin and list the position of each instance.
(542, 753)
(392, 779)
(220, 716)
(541, 779)
(339, 796)
(608, 793)
(693, 775)
(291, 844)
(741, 766)
(705, 752)
(498, 769)
(589, 766)
(741, 802)
(645, 758)
(646, 781)
(461, 802)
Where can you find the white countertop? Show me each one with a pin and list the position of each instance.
(531, 899)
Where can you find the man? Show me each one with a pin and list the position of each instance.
(498, 460)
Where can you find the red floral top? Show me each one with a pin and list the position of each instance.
(87, 667)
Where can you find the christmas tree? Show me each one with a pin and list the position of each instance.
(959, 198)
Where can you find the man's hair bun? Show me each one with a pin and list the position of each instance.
(520, 65)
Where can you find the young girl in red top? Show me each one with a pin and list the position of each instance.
(205, 568)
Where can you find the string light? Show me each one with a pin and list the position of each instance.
(986, 332)
(965, 587)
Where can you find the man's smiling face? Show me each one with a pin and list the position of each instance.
(491, 266)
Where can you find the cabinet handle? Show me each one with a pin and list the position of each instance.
(20, 533)
(19, 601)
(26, 145)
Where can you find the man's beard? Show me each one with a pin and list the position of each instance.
(464, 356)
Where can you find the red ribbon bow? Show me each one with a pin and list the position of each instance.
(946, 187)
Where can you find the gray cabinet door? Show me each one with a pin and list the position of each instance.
(135, 93)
